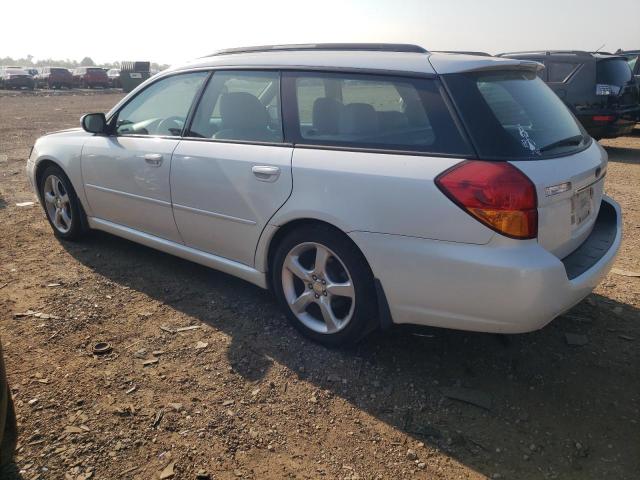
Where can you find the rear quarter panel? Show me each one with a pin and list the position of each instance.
(377, 192)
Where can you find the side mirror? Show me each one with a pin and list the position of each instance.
(94, 123)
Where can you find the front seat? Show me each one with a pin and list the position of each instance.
(243, 117)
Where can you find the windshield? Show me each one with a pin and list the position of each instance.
(514, 115)
(59, 70)
(613, 72)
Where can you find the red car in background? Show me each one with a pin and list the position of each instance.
(54, 77)
(90, 77)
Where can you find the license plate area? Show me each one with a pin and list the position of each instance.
(581, 206)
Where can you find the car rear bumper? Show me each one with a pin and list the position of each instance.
(622, 124)
(506, 286)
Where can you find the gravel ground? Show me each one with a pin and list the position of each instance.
(242, 395)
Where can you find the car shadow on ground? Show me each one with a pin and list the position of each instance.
(623, 155)
(555, 407)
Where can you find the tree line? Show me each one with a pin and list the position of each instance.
(29, 61)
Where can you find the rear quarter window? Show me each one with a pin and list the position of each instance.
(559, 72)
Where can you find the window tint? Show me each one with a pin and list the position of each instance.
(162, 108)
(370, 111)
(241, 106)
(514, 115)
(613, 72)
(560, 71)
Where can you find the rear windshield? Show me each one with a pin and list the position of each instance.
(613, 72)
(94, 70)
(59, 70)
(514, 115)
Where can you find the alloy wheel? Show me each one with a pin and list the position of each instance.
(318, 288)
(57, 203)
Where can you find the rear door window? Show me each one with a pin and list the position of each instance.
(615, 71)
(514, 115)
(370, 111)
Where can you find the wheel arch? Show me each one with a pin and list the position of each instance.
(277, 234)
(39, 169)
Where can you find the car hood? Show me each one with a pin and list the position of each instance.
(67, 132)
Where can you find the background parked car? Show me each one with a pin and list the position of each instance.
(15, 77)
(114, 77)
(90, 77)
(598, 88)
(54, 77)
(31, 71)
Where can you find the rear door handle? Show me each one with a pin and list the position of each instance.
(266, 173)
(154, 159)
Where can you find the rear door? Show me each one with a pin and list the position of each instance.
(233, 171)
(513, 116)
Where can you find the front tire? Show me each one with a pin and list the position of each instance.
(62, 207)
(324, 284)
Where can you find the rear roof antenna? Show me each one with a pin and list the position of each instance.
(600, 48)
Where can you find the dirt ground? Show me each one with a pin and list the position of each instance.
(244, 396)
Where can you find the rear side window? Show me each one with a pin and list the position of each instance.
(514, 115)
(615, 71)
(370, 111)
(560, 71)
(633, 61)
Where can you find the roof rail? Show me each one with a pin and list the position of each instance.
(549, 52)
(373, 47)
(463, 52)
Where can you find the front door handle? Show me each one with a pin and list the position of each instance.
(266, 173)
(154, 159)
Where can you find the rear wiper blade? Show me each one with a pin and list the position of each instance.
(565, 142)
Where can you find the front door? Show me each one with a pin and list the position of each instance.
(232, 171)
(126, 175)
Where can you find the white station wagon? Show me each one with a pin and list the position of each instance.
(365, 184)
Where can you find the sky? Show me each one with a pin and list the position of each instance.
(175, 31)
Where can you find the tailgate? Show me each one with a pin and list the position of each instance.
(569, 191)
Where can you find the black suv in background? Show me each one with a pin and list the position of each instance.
(598, 88)
(633, 59)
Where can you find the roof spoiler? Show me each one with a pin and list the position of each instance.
(527, 65)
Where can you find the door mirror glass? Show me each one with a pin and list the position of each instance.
(94, 123)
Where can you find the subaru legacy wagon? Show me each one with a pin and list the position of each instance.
(365, 184)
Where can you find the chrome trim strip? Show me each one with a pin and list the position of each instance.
(207, 213)
(129, 195)
(222, 264)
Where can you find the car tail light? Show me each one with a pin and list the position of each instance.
(495, 193)
(603, 118)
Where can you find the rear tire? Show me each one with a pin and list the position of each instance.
(325, 286)
(61, 205)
